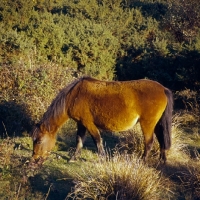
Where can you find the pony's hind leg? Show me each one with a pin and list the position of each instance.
(160, 138)
(148, 143)
(80, 138)
(163, 155)
(148, 132)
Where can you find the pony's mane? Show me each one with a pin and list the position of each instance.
(57, 106)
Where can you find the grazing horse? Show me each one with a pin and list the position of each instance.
(107, 105)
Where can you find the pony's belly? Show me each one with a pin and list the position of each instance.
(119, 125)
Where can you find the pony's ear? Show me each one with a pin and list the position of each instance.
(37, 125)
(35, 131)
(42, 127)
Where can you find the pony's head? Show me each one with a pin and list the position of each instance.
(43, 142)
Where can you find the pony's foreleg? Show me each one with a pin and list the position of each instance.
(80, 138)
(95, 133)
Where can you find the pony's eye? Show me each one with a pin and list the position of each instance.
(38, 141)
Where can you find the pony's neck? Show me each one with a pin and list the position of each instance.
(52, 125)
(61, 120)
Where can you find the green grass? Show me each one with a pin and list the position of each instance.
(122, 175)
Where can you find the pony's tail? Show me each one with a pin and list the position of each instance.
(164, 125)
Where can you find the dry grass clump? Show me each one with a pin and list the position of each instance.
(6, 150)
(120, 177)
(132, 140)
(179, 148)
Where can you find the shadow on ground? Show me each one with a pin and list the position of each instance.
(68, 142)
(53, 184)
(184, 177)
(14, 119)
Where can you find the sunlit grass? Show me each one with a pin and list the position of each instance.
(122, 176)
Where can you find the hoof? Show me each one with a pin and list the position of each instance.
(72, 160)
(163, 158)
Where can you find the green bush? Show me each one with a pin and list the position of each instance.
(45, 44)
(164, 57)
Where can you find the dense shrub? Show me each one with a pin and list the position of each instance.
(165, 57)
(94, 36)
(183, 19)
(45, 44)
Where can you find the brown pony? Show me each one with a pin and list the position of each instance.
(113, 106)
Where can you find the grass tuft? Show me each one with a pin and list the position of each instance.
(119, 177)
(179, 148)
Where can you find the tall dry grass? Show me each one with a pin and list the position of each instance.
(179, 149)
(119, 177)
